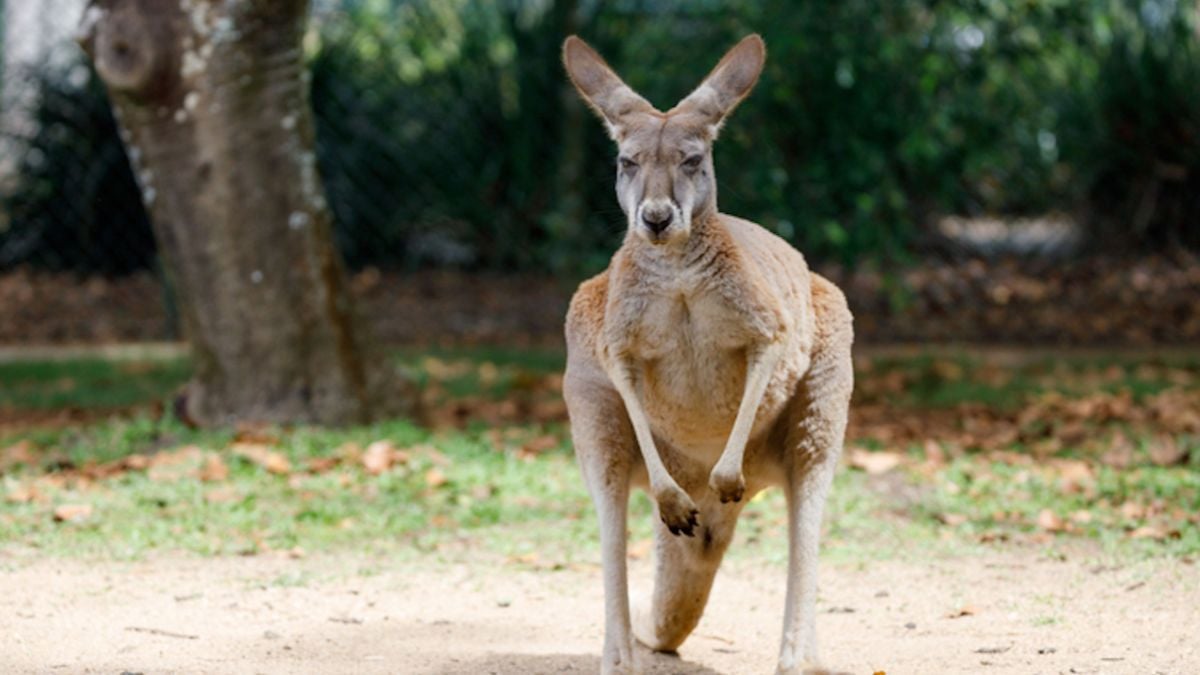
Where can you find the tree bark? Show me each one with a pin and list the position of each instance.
(212, 99)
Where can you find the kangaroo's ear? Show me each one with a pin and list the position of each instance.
(601, 88)
(728, 83)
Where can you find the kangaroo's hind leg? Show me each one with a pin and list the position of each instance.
(607, 451)
(813, 446)
(685, 568)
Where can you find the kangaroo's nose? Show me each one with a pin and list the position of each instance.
(656, 219)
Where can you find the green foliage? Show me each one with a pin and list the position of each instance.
(75, 204)
(1137, 123)
(447, 134)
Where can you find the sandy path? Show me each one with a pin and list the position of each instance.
(342, 614)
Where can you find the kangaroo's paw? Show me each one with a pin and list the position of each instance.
(729, 485)
(678, 511)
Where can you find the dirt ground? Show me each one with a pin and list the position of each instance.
(999, 612)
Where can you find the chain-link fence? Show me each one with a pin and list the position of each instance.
(448, 138)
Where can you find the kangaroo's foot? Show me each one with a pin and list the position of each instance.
(677, 510)
(619, 661)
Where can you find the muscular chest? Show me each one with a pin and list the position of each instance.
(690, 366)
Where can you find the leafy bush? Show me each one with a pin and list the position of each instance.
(1137, 124)
(447, 133)
(75, 204)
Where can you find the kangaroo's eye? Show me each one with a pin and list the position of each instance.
(627, 164)
(692, 163)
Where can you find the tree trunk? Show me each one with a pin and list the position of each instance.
(212, 98)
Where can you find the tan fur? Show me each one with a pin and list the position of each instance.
(706, 364)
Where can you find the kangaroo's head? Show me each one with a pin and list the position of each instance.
(664, 163)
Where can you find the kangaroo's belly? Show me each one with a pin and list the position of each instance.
(692, 398)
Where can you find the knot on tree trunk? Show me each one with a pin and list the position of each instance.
(129, 45)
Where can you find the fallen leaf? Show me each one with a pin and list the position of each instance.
(874, 463)
(222, 495)
(965, 610)
(953, 519)
(1082, 517)
(214, 469)
(378, 457)
(317, 465)
(1133, 511)
(22, 494)
(525, 558)
(20, 452)
(1120, 452)
(1148, 532)
(434, 478)
(72, 513)
(1050, 521)
(537, 446)
(1165, 451)
(1075, 476)
(264, 456)
(255, 433)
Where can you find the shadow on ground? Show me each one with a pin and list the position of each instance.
(538, 664)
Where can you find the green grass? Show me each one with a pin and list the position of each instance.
(88, 383)
(495, 497)
(492, 498)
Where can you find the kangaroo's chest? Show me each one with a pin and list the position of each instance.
(691, 369)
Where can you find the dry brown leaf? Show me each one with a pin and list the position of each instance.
(1148, 532)
(22, 494)
(538, 445)
(262, 455)
(431, 453)
(965, 610)
(530, 558)
(316, 465)
(255, 433)
(434, 478)
(378, 457)
(1133, 511)
(214, 468)
(874, 463)
(222, 495)
(72, 513)
(1120, 452)
(953, 519)
(1082, 517)
(1165, 451)
(1050, 521)
(21, 452)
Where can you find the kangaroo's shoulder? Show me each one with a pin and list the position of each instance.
(762, 246)
(832, 312)
(585, 315)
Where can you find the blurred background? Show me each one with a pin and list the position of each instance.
(981, 171)
(1007, 190)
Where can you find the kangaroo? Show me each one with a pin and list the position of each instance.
(705, 364)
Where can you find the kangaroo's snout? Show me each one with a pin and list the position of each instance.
(657, 217)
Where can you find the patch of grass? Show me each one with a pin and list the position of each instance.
(506, 502)
(88, 383)
(482, 487)
(1143, 510)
